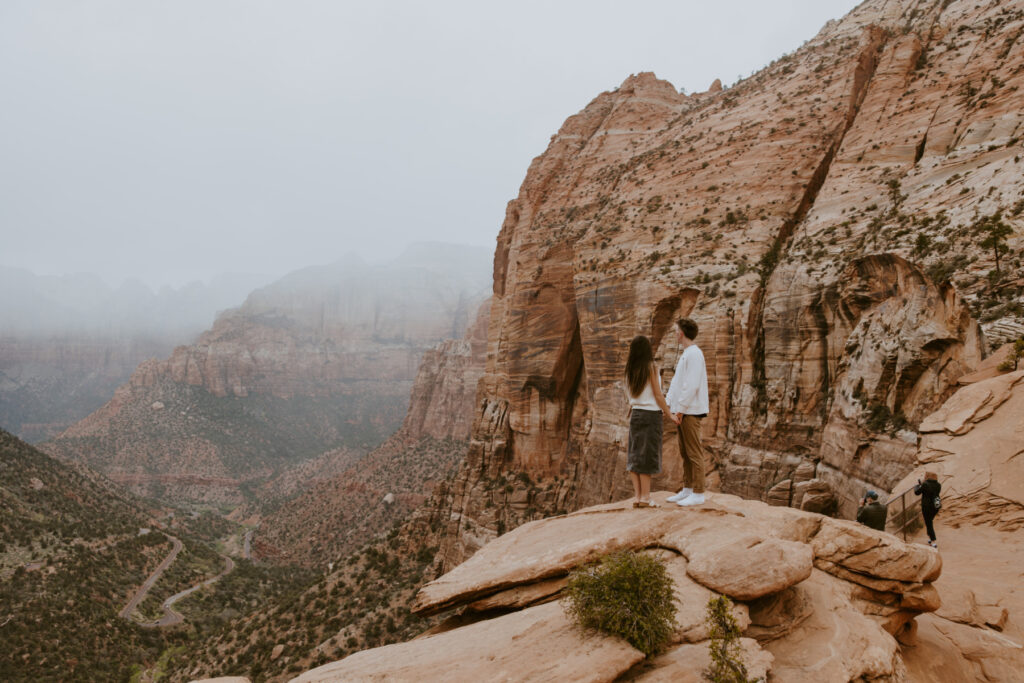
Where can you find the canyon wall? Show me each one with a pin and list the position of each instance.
(823, 221)
(341, 513)
(48, 383)
(322, 359)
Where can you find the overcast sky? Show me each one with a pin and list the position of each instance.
(174, 140)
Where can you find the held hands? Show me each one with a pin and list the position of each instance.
(676, 417)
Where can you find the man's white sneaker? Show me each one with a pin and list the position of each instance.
(679, 496)
(692, 499)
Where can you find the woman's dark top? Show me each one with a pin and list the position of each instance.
(928, 490)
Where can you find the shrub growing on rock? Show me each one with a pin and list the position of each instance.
(626, 594)
(726, 663)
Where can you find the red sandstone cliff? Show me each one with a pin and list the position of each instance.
(821, 221)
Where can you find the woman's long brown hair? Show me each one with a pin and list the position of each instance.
(638, 365)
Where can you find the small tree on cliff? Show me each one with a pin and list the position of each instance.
(1013, 358)
(995, 232)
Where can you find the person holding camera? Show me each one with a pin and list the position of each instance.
(929, 491)
(871, 513)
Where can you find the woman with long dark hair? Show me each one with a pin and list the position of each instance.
(646, 405)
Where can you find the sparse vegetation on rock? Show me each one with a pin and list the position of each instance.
(627, 594)
(724, 643)
(1014, 356)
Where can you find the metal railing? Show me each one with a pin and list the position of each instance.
(906, 516)
(904, 509)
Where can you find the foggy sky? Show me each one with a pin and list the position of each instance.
(172, 141)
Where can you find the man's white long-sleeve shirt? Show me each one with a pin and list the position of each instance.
(688, 393)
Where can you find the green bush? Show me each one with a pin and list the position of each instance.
(627, 594)
(1013, 358)
(726, 663)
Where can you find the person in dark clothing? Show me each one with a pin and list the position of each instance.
(872, 513)
(929, 491)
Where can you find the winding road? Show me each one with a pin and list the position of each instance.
(140, 594)
(170, 617)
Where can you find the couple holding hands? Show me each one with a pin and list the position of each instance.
(685, 404)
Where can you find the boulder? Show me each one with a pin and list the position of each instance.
(537, 643)
(543, 549)
(780, 494)
(692, 602)
(873, 554)
(750, 566)
(815, 495)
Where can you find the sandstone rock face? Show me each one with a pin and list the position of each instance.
(974, 443)
(807, 624)
(324, 358)
(687, 664)
(537, 643)
(819, 221)
(67, 342)
(443, 401)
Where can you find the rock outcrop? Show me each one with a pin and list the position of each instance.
(819, 599)
(323, 359)
(822, 221)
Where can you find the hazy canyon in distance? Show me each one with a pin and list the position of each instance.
(66, 342)
(319, 363)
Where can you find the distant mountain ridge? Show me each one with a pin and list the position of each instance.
(83, 305)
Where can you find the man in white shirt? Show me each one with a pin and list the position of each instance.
(688, 400)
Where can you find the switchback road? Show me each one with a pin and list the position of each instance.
(140, 594)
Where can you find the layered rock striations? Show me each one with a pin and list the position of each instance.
(322, 359)
(823, 221)
(974, 444)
